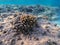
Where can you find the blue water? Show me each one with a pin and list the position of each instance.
(32, 2)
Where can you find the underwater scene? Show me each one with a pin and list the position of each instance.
(29, 22)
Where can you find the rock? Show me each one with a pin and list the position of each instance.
(29, 10)
(1, 27)
(1, 43)
(22, 43)
(51, 43)
(4, 31)
(13, 42)
(36, 38)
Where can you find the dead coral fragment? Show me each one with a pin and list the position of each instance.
(25, 24)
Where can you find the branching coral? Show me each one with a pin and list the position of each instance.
(25, 23)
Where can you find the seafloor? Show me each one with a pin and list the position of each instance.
(46, 33)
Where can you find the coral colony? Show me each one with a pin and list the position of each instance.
(25, 23)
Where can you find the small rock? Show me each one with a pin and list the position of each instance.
(22, 43)
(36, 38)
(13, 42)
(4, 31)
(1, 27)
(1, 43)
(51, 43)
(19, 38)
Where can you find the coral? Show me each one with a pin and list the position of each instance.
(25, 23)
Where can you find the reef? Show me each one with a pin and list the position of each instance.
(25, 23)
(25, 28)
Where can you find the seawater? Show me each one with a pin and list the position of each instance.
(32, 2)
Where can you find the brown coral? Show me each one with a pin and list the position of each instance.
(25, 23)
